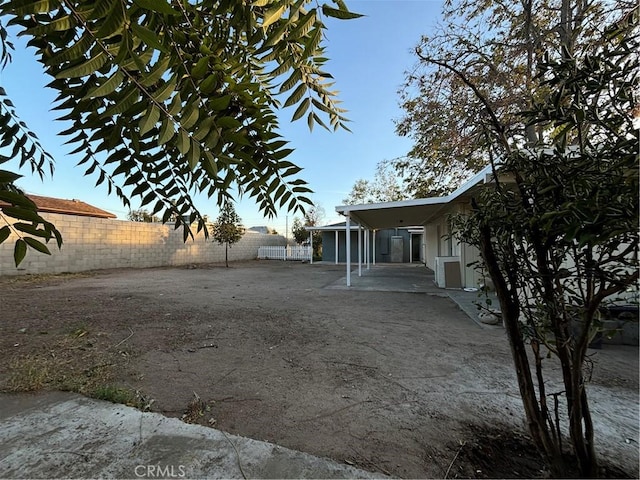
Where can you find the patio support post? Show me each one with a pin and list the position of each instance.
(410, 247)
(423, 246)
(311, 246)
(337, 247)
(374, 246)
(367, 247)
(348, 245)
(359, 250)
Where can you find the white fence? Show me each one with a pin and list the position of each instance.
(285, 253)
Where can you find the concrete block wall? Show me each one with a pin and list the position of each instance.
(96, 243)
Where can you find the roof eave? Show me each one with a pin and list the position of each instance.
(483, 176)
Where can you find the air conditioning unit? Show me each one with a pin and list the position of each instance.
(447, 272)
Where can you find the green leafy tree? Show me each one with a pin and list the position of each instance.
(313, 217)
(168, 97)
(227, 229)
(300, 234)
(558, 229)
(142, 215)
(21, 217)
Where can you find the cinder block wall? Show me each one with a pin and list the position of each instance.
(96, 243)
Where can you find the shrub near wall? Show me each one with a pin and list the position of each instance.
(96, 243)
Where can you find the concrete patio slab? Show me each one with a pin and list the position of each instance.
(412, 278)
(402, 278)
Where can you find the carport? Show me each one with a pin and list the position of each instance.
(418, 212)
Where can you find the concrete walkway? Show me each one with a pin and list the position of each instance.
(64, 435)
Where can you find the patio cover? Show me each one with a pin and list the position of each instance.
(406, 213)
(411, 212)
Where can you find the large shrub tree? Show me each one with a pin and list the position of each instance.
(169, 98)
(558, 228)
(544, 93)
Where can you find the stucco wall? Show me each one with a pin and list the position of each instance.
(471, 277)
(95, 243)
(438, 244)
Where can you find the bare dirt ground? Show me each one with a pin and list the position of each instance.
(403, 384)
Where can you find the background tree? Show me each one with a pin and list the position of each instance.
(313, 217)
(361, 192)
(142, 215)
(300, 234)
(498, 46)
(171, 97)
(386, 186)
(227, 229)
(559, 238)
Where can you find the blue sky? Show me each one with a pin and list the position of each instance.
(368, 58)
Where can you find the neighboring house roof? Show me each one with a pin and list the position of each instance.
(259, 229)
(66, 207)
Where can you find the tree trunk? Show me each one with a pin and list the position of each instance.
(531, 46)
(536, 421)
(226, 254)
(571, 355)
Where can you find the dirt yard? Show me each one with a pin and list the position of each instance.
(403, 384)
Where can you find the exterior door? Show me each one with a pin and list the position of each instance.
(397, 249)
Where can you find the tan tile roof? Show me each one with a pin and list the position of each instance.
(68, 207)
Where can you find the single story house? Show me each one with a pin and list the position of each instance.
(441, 251)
